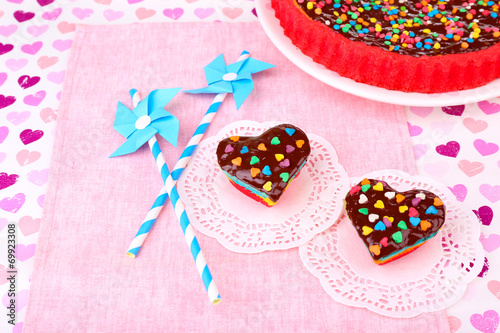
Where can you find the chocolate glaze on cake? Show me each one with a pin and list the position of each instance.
(412, 27)
(275, 156)
(416, 215)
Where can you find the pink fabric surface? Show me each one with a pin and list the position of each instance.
(83, 281)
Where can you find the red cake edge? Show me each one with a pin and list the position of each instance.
(375, 66)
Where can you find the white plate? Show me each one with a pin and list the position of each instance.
(275, 32)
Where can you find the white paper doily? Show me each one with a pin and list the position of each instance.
(312, 203)
(432, 278)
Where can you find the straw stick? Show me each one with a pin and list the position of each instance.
(178, 205)
(179, 167)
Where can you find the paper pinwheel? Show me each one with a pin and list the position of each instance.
(235, 78)
(145, 120)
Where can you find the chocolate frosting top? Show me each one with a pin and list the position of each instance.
(267, 162)
(388, 221)
(412, 27)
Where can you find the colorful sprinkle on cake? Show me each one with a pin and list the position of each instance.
(391, 223)
(262, 167)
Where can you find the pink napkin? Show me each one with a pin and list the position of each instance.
(83, 281)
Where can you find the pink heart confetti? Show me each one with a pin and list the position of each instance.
(414, 129)
(56, 77)
(32, 48)
(17, 118)
(470, 168)
(65, 27)
(48, 115)
(484, 148)
(455, 323)
(29, 225)
(438, 169)
(38, 178)
(422, 112)
(16, 64)
(82, 13)
(174, 13)
(487, 322)
(475, 126)
(419, 150)
(494, 288)
(112, 15)
(52, 15)
(4, 131)
(489, 108)
(490, 243)
(7, 30)
(492, 193)
(203, 13)
(45, 61)
(25, 252)
(35, 99)
(232, 13)
(36, 31)
(25, 157)
(62, 45)
(21, 298)
(40, 200)
(460, 191)
(13, 204)
(484, 215)
(3, 78)
(143, 13)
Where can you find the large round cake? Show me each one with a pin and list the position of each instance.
(406, 45)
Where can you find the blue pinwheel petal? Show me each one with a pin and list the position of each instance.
(168, 128)
(124, 120)
(215, 69)
(241, 91)
(215, 88)
(243, 76)
(157, 99)
(254, 66)
(135, 141)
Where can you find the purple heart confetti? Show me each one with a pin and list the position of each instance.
(484, 148)
(21, 16)
(4, 131)
(26, 81)
(5, 101)
(6, 48)
(7, 180)
(450, 149)
(29, 136)
(455, 110)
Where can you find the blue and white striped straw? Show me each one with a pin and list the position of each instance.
(201, 264)
(179, 167)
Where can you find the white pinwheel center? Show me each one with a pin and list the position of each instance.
(142, 122)
(229, 76)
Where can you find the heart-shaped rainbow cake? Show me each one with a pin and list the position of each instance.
(391, 223)
(262, 167)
